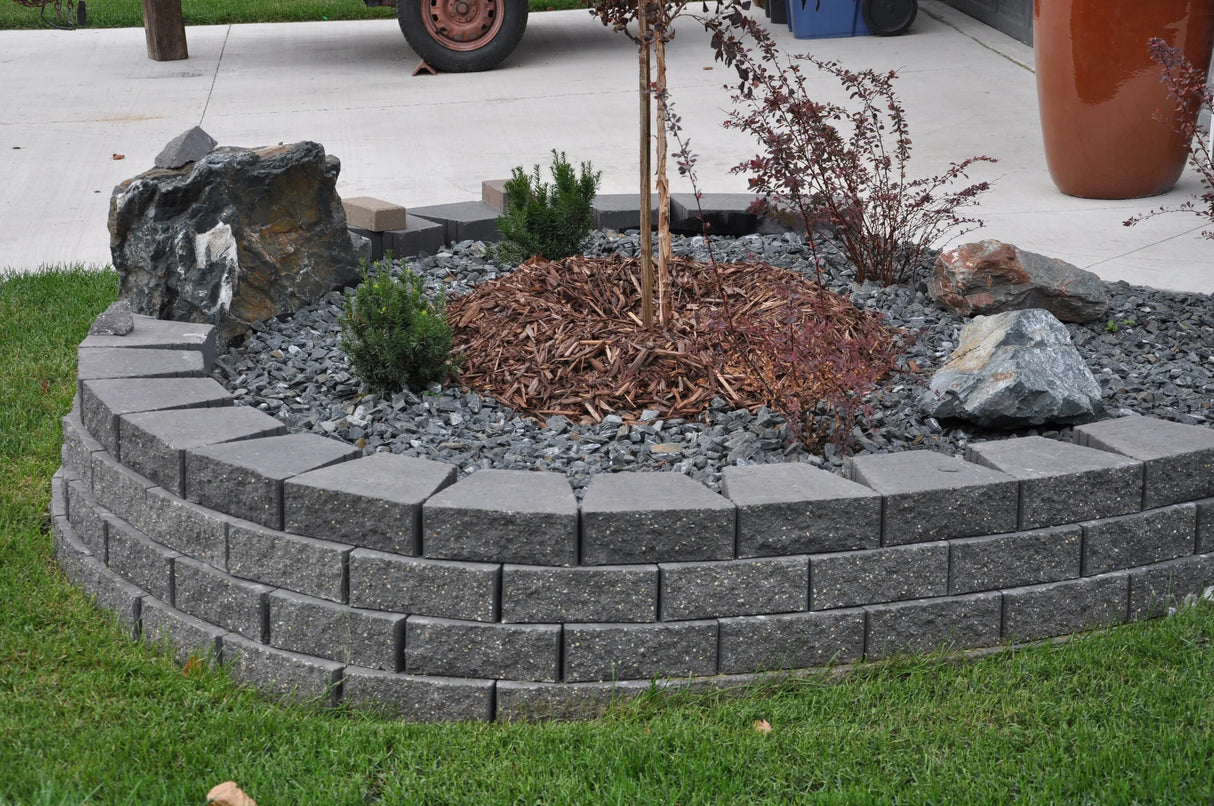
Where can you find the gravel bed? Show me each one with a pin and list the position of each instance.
(1154, 356)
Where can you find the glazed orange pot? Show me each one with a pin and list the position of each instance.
(1099, 92)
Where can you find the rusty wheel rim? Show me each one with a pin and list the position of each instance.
(462, 24)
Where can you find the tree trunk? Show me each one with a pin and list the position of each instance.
(165, 30)
(665, 249)
(646, 200)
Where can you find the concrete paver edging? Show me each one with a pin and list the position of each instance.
(317, 574)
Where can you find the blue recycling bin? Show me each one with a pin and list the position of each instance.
(825, 19)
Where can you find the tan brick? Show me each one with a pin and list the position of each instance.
(375, 215)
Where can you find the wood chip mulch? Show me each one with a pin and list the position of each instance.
(566, 337)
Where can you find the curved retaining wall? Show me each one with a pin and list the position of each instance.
(314, 572)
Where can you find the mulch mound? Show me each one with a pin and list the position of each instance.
(566, 337)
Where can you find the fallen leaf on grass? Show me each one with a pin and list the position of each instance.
(762, 726)
(228, 794)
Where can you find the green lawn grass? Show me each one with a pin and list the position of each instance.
(129, 13)
(86, 715)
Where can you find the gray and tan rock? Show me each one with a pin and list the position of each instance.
(988, 277)
(1014, 369)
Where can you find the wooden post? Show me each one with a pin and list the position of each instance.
(165, 30)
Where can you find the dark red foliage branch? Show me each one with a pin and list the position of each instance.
(1188, 89)
(844, 165)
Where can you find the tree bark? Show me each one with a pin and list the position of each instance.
(646, 198)
(665, 249)
(165, 30)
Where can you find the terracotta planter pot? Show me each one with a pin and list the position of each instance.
(1099, 91)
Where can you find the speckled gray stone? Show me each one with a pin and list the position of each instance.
(302, 564)
(515, 516)
(533, 702)
(419, 699)
(224, 600)
(184, 635)
(103, 401)
(139, 560)
(1205, 525)
(435, 646)
(1059, 608)
(654, 517)
(958, 622)
(795, 508)
(1178, 458)
(287, 676)
(616, 593)
(137, 362)
(930, 496)
(791, 641)
(382, 581)
(345, 634)
(162, 334)
(85, 518)
(1064, 483)
(1158, 587)
(1139, 539)
(1012, 561)
(373, 502)
(188, 528)
(876, 576)
(116, 488)
(734, 588)
(605, 652)
(110, 592)
(153, 443)
(245, 478)
(78, 445)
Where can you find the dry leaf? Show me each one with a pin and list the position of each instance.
(762, 726)
(228, 794)
(192, 665)
(120, 156)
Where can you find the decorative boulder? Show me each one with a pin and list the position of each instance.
(1012, 370)
(238, 237)
(991, 276)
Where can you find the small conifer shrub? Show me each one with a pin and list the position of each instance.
(395, 336)
(552, 221)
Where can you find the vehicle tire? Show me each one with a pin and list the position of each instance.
(889, 17)
(462, 36)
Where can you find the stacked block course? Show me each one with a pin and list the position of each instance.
(316, 573)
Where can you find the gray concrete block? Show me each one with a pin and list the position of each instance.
(245, 478)
(188, 528)
(538, 595)
(877, 576)
(117, 488)
(1064, 483)
(139, 560)
(102, 402)
(464, 221)
(620, 211)
(375, 240)
(1156, 588)
(58, 507)
(535, 702)
(449, 648)
(1178, 459)
(654, 517)
(1062, 608)
(725, 213)
(86, 517)
(791, 641)
(95, 363)
(220, 599)
(606, 652)
(345, 634)
(930, 496)
(153, 443)
(1013, 561)
(78, 445)
(109, 592)
(181, 634)
(302, 564)
(1140, 539)
(795, 508)
(382, 581)
(419, 236)
(163, 334)
(286, 676)
(734, 588)
(374, 502)
(957, 622)
(1205, 525)
(418, 699)
(515, 516)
